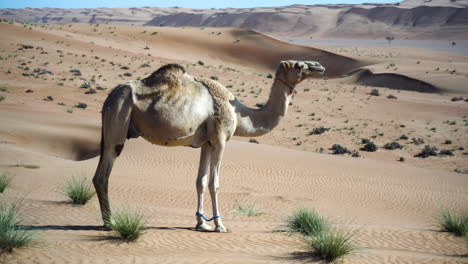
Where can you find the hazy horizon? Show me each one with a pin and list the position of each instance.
(173, 3)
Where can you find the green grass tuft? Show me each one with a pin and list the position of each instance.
(79, 190)
(128, 224)
(248, 210)
(11, 234)
(457, 224)
(27, 166)
(331, 244)
(307, 222)
(5, 180)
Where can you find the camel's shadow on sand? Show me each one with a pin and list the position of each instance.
(94, 228)
(107, 236)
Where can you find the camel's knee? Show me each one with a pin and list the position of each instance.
(201, 183)
(99, 182)
(118, 149)
(214, 187)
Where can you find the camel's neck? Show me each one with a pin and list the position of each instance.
(257, 122)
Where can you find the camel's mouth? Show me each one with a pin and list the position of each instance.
(317, 69)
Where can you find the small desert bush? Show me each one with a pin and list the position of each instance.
(427, 151)
(79, 190)
(392, 145)
(128, 224)
(375, 92)
(338, 149)
(331, 244)
(306, 222)
(5, 180)
(12, 235)
(253, 140)
(417, 141)
(370, 147)
(446, 152)
(248, 210)
(2, 98)
(318, 130)
(457, 224)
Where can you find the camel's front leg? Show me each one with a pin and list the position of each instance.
(201, 185)
(216, 156)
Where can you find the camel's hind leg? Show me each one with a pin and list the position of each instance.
(116, 115)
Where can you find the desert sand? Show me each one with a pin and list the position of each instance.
(389, 205)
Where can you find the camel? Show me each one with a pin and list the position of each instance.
(172, 108)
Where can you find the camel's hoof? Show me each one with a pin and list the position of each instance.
(203, 227)
(222, 229)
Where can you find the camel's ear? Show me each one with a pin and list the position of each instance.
(286, 65)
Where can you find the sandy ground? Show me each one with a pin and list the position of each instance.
(389, 205)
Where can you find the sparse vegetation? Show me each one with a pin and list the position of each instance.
(404, 137)
(331, 245)
(457, 224)
(253, 140)
(392, 145)
(75, 72)
(27, 166)
(391, 96)
(375, 92)
(338, 149)
(79, 190)
(318, 130)
(326, 242)
(417, 141)
(365, 140)
(91, 91)
(5, 180)
(446, 152)
(306, 222)
(12, 235)
(81, 105)
(248, 210)
(128, 224)
(355, 154)
(2, 98)
(370, 147)
(427, 152)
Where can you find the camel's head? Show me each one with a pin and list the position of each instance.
(292, 72)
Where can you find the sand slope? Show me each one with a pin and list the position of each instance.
(390, 208)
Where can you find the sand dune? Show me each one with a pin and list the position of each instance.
(435, 19)
(389, 205)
